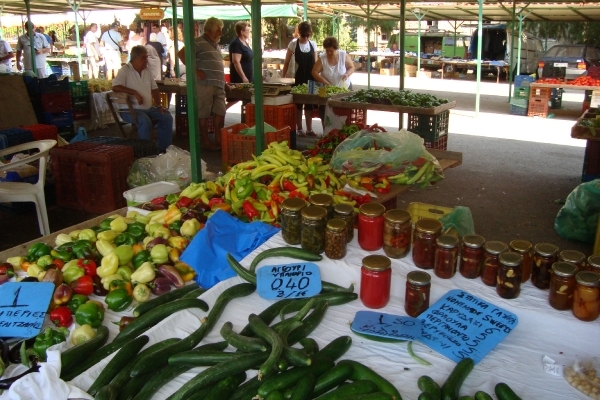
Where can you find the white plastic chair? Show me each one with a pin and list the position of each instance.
(21, 191)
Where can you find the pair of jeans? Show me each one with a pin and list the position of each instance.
(147, 118)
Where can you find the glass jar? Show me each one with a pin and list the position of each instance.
(370, 226)
(375, 281)
(396, 233)
(489, 271)
(335, 239)
(324, 200)
(446, 256)
(345, 212)
(573, 256)
(562, 285)
(426, 232)
(593, 263)
(471, 256)
(314, 221)
(416, 299)
(508, 282)
(544, 255)
(586, 298)
(523, 247)
(291, 220)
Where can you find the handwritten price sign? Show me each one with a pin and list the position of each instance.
(23, 307)
(288, 281)
(386, 325)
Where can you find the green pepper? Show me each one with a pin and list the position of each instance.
(262, 194)
(105, 225)
(73, 273)
(140, 258)
(62, 255)
(98, 229)
(49, 337)
(118, 299)
(125, 238)
(176, 226)
(85, 249)
(125, 272)
(76, 301)
(125, 253)
(137, 230)
(245, 188)
(159, 254)
(38, 250)
(172, 198)
(68, 246)
(44, 261)
(89, 313)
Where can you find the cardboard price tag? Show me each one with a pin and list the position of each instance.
(288, 281)
(386, 325)
(23, 307)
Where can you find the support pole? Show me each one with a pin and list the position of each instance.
(258, 84)
(417, 13)
(1, 11)
(479, 47)
(368, 45)
(521, 19)
(512, 50)
(401, 41)
(304, 16)
(175, 25)
(75, 4)
(31, 35)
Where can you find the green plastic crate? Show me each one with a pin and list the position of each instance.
(79, 88)
(429, 127)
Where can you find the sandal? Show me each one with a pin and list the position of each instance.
(300, 133)
(311, 134)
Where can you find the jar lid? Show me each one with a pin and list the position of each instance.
(399, 216)
(293, 204)
(520, 246)
(510, 259)
(546, 249)
(495, 247)
(345, 209)
(573, 256)
(372, 209)
(473, 241)
(588, 278)
(564, 269)
(447, 241)
(428, 225)
(419, 278)
(336, 224)
(314, 212)
(321, 199)
(594, 261)
(376, 262)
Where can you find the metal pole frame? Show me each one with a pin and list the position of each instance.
(258, 84)
(479, 47)
(401, 40)
(305, 9)
(175, 26)
(368, 44)
(31, 36)
(419, 17)
(1, 12)
(521, 18)
(75, 4)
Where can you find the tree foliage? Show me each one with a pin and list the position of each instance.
(566, 32)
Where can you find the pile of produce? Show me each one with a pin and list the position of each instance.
(579, 81)
(243, 86)
(592, 123)
(324, 91)
(404, 98)
(300, 89)
(99, 85)
(328, 143)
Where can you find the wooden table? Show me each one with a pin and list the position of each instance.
(335, 102)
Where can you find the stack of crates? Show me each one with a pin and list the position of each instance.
(519, 102)
(141, 147)
(80, 100)
(57, 109)
(556, 98)
(181, 118)
(432, 128)
(14, 136)
(591, 161)
(539, 102)
(42, 131)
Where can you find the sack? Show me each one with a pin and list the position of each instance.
(81, 135)
(578, 218)
(461, 220)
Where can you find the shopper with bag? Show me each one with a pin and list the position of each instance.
(112, 42)
(92, 48)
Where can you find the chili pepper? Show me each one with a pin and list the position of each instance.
(277, 198)
(38, 250)
(61, 316)
(105, 224)
(140, 258)
(221, 206)
(98, 287)
(183, 202)
(249, 210)
(89, 313)
(190, 227)
(176, 226)
(125, 238)
(158, 200)
(63, 255)
(118, 299)
(296, 193)
(289, 186)
(48, 337)
(124, 321)
(245, 188)
(186, 272)
(120, 284)
(215, 200)
(62, 294)
(171, 198)
(72, 273)
(82, 334)
(83, 285)
(76, 301)
(173, 214)
(125, 272)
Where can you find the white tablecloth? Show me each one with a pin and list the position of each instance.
(517, 360)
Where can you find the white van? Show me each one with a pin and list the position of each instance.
(495, 48)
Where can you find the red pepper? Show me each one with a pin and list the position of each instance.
(183, 202)
(61, 316)
(328, 181)
(249, 210)
(289, 186)
(89, 266)
(215, 200)
(83, 285)
(296, 193)
(159, 200)
(368, 186)
(277, 198)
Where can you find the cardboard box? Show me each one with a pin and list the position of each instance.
(274, 66)
(386, 63)
(424, 74)
(387, 71)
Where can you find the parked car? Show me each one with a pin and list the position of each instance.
(577, 58)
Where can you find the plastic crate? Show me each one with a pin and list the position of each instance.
(79, 89)
(523, 80)
(440, 144)
(591, 159)
(353, 115)
(182, 126)
(588, 178)
(538, 107)
(56, 102)
(517, 110)
(540, 93)
(276, 116)
(51, 85)
(180, 104)
(597, 241)
(80, 102)
(556, 99)
(419, 211)
(32, 85)
(593, 72)
(141, 147)
(103, 174)
(60, 119)
(429, 127)
(236, 148)
(521, 92)
(79, 115)
(13, 176)
(550, 71)
(41, 131)
(14, 136)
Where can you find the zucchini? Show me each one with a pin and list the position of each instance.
(225, 388)
(206, 358)
(164, 376)
(241, 271)
(362, 372)
(328, 287)
(117, 363)
(426, 396)
(263, 330)
(217, 346)
(334, 299)
(336, 348)
(275, 396)
(331, 379)
(282, 365)
(371, 396)
(504, 392)
(465, 398)
(482, 396)
(309, 345)
(291, 252)
(427, 385)
(309, 323)
(356, 387)
(194, 294)
(143, 308)
(108, 392)
(289, 378)
(268, 315)
(304, 388)
(75, 355)
(247, 390)
(243, 343)
(136, 384)
(451, 388)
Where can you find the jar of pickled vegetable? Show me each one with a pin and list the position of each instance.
(489, 271)
(446, 256)
(508, 282)
(586, 298)
(370, 226)
(396, 233)
(524, 248)
(324, 200)
(375, 281)
(345, 212)
(573, 256)
(562, 285)
(335, 239)
(426, 232)
(544, 255)
(291, 220)
(314, 222)
(471, 259)
(593, 263)
(416, 299)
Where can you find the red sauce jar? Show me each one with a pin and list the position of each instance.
(471, 259)
(426, 232)
(370, 226)
(523, 247)
(593, 263)
(416, 299)
(446, 256)
(375, 281)
(544, 255)
(575, 257)
(489, 272)
(396, 233)
(562, 285)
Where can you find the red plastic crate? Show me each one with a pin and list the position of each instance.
(65, 162)
(276, 116)
(591, 160)
(538, 107)
(103, 174)
(440, 144)
(540, 93)
(81, 114)
(181, 125)
(42, 131)
(353, 115)
(236, 148)
(56, 102)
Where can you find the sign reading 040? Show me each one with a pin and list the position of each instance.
(151, 14)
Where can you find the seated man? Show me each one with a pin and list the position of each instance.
(136, 80)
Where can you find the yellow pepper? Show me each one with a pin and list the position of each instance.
(152, 227)
(87, 234)
(174, 254)
(15, 262)
(109, 236)
(190, 227)
(69, 264)
(104, 247)
(75, 234)
(34, 270)
(173, 214)
(144, 274)
(178, 242)
(62, 239)
(108, 265)
(147, 240)
(108, 279)
(157, 216)
(187, 273)
(161, 231)
(137, 217)
(118, 224)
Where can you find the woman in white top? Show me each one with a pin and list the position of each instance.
(136, 39)
(172, 56)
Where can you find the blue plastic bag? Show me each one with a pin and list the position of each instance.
(81, 135)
